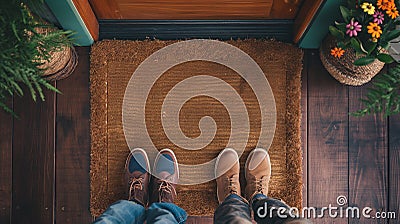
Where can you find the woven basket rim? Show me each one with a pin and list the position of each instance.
(343, 69)
(67, 70)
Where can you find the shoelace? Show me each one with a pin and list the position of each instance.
(260, 184)
(231, 184)
(137, 183)
(165, 189)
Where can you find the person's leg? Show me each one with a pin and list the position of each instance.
(165, 177)
(270, 210)
(137, 182)
(122, 212)
(164, 212)
(258, 174)
(233, 208)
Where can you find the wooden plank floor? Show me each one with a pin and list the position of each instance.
(45, 155)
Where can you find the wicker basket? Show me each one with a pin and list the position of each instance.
(343, 68)
(62, 62)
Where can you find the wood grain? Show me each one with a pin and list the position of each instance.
(106, 9)
(6, 127)
(33, 160)
(368, 162)
(73, 144)
(286, 9)
(305, 15)
(327, 139)
(394, 166)
(31, 172)
(195, 9)
(184, 9)
(88, 17)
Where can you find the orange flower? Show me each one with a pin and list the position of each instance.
(393, 13)
(375, 30)
(337, 52)
(385, 4)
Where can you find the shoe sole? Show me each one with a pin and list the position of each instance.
(174, 158)
(217, 161)
(147, 168)
(249, 156)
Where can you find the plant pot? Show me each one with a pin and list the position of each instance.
(62, 62)
(343, 69)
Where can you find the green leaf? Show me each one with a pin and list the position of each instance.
(341, 44)
(392, 35)
(346, 14)
(14, 29)
(355, 45)
(38, 88)
(49, 86)
(335, 32)
(7, 109)
(341, 26)
(360, 54)
(380, 85)
(361, 112)
(17, 88)
(390, 78)
(384, 96)
(385, 58)
(384, 44)
(364, 61)
(368, 47)
(28, 83)
(7, 89)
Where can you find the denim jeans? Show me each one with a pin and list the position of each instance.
(236, 209)
(128, 212)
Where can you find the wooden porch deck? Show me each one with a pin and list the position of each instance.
(45, 155)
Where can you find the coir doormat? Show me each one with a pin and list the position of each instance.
(113, 63)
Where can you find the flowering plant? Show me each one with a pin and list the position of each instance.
(367, 28)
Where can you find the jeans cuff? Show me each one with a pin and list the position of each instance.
(136, 202)
(237, 197)
(257, 197)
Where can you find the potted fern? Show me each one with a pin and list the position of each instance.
(24, 50)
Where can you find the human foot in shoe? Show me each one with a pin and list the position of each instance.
(165, 177)
(227, 170)
(137, 176)
(257, 173)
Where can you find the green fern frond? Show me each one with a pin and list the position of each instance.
(384, 96)
(24, 48)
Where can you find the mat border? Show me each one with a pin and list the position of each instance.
(99, 116)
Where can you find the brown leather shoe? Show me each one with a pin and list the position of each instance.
(165, 177)
(227, 170)
(137, 176)
(257, 173)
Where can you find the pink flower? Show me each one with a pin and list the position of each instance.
(352, 28)
(378, 17)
